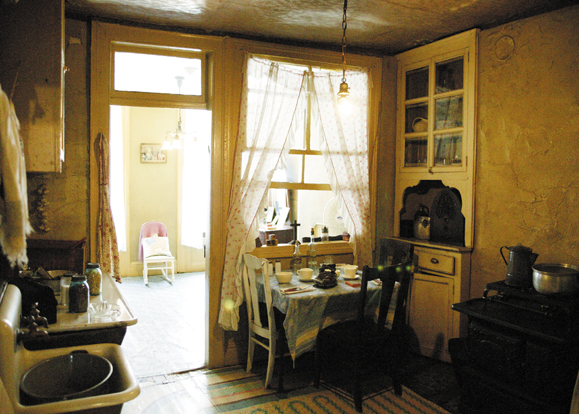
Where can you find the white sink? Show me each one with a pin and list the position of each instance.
(16, 360)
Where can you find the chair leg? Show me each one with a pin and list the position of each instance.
(317, 364)
(250, 351)
(173, 270)
(357, 388)
(145, 275)
(270, 362)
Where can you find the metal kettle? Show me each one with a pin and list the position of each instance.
(422, 223)
(519, 265)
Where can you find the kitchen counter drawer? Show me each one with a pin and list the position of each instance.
(436, 262)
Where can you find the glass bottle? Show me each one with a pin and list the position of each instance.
(325, 234)
(94, 278)
(312, 253)
(296, 260)
(78, 294)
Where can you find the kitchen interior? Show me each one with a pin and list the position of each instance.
(475, 220)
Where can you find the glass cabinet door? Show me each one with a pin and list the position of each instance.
(434, 115)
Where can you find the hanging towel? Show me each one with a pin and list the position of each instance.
(14, 221)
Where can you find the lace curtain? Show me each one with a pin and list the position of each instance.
(268, 109)
(107, 250)
(345, 150)
(269, 100)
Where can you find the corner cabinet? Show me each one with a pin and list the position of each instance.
(32, 62)
(436, 120)
(441, 279)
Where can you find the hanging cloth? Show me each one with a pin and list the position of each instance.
(270, 98)
(107, 250)
(14, 221)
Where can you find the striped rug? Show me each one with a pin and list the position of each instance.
(327, 402)
(238, 392)
(229, 386)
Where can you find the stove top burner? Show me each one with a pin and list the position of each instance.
(562, 308)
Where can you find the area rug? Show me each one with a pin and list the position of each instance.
(230, 386)
(328, 402)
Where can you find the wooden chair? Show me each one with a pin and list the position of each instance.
(367, 341)
(263, 329)
(154, 250)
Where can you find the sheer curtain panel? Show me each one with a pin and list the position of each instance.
(269, 100)
(345, 149)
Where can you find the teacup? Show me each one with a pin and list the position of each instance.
(350, 271)
(306, 273)
(283, 277)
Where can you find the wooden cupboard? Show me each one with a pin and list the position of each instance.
(441, 278)
(436, 121)
(32, 75)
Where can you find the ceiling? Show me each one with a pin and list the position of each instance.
(378, 26)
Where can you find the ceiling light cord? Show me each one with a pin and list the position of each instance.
(344, 40)
(344, 103)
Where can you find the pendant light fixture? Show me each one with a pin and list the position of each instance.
(343, 95)
(173, 139)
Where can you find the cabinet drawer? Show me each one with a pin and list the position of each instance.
(436, 262)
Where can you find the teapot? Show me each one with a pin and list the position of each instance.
(422, 223)
(420, 125)
(519, 265)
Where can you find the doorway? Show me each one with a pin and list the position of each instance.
(171, 187)
(165, 81)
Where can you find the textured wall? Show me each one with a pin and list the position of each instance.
(527, 185)
(67, 193)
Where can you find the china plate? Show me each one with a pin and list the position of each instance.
(305, 280)
(321, 286)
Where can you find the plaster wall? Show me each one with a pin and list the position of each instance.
(67, 211)
(527, 183)
(152, 186)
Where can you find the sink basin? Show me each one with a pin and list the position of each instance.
(79, 374)
(17, 361)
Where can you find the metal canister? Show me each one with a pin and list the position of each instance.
(78, 295)
(94, 278)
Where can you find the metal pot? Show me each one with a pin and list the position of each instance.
(556, 278)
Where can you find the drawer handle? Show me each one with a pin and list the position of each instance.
(434, 260)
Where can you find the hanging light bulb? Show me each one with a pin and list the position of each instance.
(178, 133)
(344, 104)
(167, 143)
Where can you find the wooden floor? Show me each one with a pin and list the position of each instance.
(169, 338)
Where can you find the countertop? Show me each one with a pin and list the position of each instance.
(66, 321)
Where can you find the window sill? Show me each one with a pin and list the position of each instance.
(282, 251)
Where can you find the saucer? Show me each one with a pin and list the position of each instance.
(305, 280)
(351, 278)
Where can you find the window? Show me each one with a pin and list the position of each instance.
(302, 184)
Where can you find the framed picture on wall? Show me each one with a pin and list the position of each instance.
(152, 153)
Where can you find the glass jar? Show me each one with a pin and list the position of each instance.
(78, 295)
(94, 278)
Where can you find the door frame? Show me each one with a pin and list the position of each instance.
(103, 34)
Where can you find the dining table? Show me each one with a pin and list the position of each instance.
(310, 309)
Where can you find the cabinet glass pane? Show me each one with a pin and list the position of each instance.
(449, 75)
(448, 112)
(448, 149)
(142, 72)
(415, 152)
(416, 118)
(417, 83)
